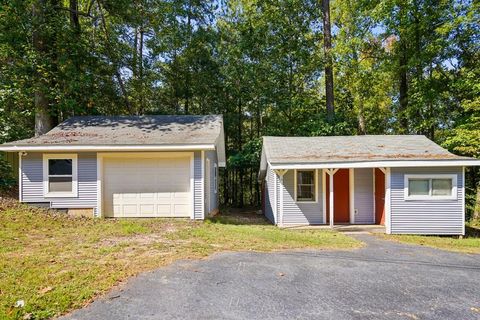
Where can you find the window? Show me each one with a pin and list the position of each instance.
(215, 177)
(430, 187)
(305, 185)
(60, 175)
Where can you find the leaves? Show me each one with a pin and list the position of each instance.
(259, 63)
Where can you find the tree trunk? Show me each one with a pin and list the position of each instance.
(361, 122)
(403, 79)
(44, 120)
(476, 210)
(140, 71)
(327, 44)
(74, 16)
(115, 63)
(135, 54)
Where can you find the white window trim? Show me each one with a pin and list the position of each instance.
(430, 197)
(215, 178)
(46, 192)
(315, 173)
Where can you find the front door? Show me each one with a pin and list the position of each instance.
(341, 199)
(379, 197)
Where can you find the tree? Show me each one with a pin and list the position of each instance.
(327, 45)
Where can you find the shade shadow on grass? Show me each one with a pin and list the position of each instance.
(239, 217)
(472, 232)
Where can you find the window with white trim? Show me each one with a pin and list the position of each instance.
(430, 187)
(215, 177)
(60, 175)
(305, 185)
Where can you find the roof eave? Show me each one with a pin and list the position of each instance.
(85, 148)
(378, 164)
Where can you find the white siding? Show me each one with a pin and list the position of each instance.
(270, 195)
(298, 213)
(32, 182)
(197, 184)
(426, 216)
(363, 196)
(212, 156)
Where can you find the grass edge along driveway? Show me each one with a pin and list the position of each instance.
(468, 244)
(51, 263)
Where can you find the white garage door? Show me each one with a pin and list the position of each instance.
(147, 187)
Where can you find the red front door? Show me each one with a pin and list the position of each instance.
(341, 199)
(379, 197)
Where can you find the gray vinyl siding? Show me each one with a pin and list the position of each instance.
(298, 213)
(32, 182)
(197, 185)
(212, 156)
(270, 196)
(363, 196)
(426, 216)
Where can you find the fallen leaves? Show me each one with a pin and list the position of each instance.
(45, 290)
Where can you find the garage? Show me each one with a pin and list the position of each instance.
(147, 185)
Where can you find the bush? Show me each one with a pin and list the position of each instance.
(6, 178)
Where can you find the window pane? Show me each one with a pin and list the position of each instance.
(442, 187)
(60, 184)
(60, 166)
(305, 177)
(305, 193)
(306, 185)
(418, 187)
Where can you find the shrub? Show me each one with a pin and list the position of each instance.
(6, 178)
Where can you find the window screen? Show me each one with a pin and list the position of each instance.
(306, 185)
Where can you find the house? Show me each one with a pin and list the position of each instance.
(407, 183)
(132, 166)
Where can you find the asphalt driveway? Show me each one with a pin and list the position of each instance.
(383, 280)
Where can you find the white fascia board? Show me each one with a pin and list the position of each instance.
(77, 148)
(377, 164)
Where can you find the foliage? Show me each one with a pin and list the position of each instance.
(399, 67)
(6, 178)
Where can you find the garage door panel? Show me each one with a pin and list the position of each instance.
(147, 209)
(147, 187)
(182, 210)
(129, 209)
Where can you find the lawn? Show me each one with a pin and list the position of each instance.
(51, 263)
(469, 244)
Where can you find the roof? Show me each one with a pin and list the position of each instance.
(338, 151)
(123, 132)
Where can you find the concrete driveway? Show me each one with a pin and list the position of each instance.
(383, 280)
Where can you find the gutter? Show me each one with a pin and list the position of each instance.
(378, 164)
(172, 147)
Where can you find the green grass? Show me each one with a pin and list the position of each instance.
(55, 263)
(469, 244)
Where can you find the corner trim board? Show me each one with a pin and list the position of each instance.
(324, 195)
(388, 210)
(463, 200)
(351, 194)
(203, 185)
(20, 177)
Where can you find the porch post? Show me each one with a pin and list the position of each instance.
(330, 175)
(281, 173)
(388, 210)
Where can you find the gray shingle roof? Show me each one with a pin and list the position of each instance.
(283, 150)
(131, 130)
